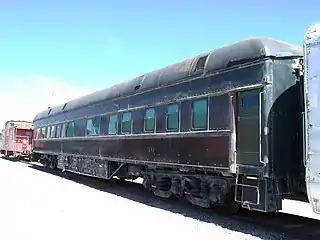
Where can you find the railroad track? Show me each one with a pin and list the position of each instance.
(265, 226)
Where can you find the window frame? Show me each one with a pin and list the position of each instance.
(116, 124)
(79, 127)
(95, 120)
(250, 100)
(64, 130)
(146, 119)
(122, 117)
(104, 125)
(90, 131)
(193, 112)
(48, 133)
(37, 133)
(58, 131)
(43, 132)
(178, 118)
(52, 131)
(67, 129)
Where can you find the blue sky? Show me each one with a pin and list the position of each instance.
(94, 43)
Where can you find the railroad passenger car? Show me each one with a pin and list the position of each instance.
(1, 139)
(221, 128)
(311, 91)
(17, 139)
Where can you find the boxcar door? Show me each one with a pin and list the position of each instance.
(249, 105)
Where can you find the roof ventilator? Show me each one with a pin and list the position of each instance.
(64, 106)
(138, 86)
(201, 63)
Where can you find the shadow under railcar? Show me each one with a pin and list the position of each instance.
(264, 226)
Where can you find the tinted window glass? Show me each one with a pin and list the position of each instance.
(89, 127)
(200, 114)
(96, 125)
(70, 129)
(113, 124)
(64, 129)
(48, 132)
(53, 131)
(43, 132)
(79, 128)
(36, 133)
(58, 132)
(251, 100)
(104, 125)
(149, 120)
(126, 122)
(28, 133)
(173, 117)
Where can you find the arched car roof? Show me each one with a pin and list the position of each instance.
(215, 60)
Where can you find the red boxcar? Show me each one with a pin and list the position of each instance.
(17, 139)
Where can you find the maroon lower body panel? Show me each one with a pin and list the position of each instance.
(200, 151)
